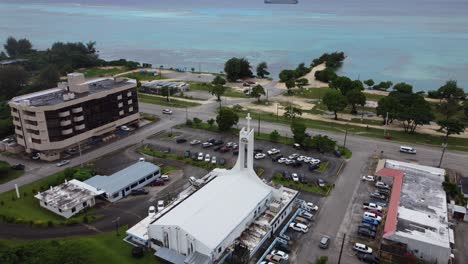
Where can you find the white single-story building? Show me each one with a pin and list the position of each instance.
(202, 225)
(121, 183)
(68, 198)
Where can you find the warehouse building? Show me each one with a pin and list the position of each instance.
(232, 206)
(156, 87)
(68, 198)
(53, 120)
(417, 220)
(121, 183)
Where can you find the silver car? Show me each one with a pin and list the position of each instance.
(62, 163)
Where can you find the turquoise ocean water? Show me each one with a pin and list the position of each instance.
(423, 42)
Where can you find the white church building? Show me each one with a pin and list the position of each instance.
(202, 225)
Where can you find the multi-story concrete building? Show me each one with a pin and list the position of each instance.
(50, 121)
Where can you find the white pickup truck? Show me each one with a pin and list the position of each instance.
(372, 206)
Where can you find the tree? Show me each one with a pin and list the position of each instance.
(218, 90)
(299, 132)
(451, 126)
(332, 60)
(290, 84)
(449, 107)
(450, 90)
(402, 88)
(286, 75)
(302, 82)
(355, 97)
(384, 85)
(465, 108)
(226, 118)
(3, 56)
(326, 75)
(301, 70)
(12, 80)
(192, 69)
(335, 102)
(48, 77)
(210, 122)
(257, 92)
(236, 68)
(218, 80)
(343, 84)
(369, 83)
(321, 143)
(417, 113)
(90, 46)
(16, 48)
(274, 135)
(357, 85)
(262, 70)
(388, 105)
(321, 260)
(292, 112)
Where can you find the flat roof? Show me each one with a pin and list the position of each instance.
(422, 209)
(221, 205)
(67, 195)
(55, 95)
(121, 179)
(158, 84)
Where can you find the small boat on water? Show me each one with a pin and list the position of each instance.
(281, 1)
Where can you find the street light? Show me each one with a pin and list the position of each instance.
(444, 146)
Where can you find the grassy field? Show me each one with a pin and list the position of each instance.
(144, 76)
(416, 138)
(7, 173)
(200, 86)
(322, 168)
(311, 93)
(100, 248)
(26, 209)
(159, 100)
(102, 72)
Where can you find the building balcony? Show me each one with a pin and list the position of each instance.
(35, 136)
(121, 112)
(64, 114)
(30, 117)
(67, 131)
(77, 110)
(65, 123)
(78, 118)
(130, 101)
(119, 97)
(18, 131)
(80, 127)
(120, 105)
(14, 114)
(16, 122)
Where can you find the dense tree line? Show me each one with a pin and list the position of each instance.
(237, 68)
(332, 60)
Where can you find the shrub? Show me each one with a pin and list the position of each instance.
(274, 135)
(50, 223)
(189, 123)
(197, 120)
(85, 219)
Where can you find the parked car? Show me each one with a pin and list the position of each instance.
(366, 232)
(313, 167)
(273, 259)
(167, 111)
(383, 191)
(337, 153)
(320, 183)
(258, 150)
(313, 206)
(157, 182)
(297, 146)
(373, 216)
(187, 154)
(124, 128)
(224, 149)
(306, 215)
(211, 140)
(213, 160)
(382, 185)
(273, 151)
(299, 227)
(324, 242)
(235, 146)
(207, 157)
(139, 192)
(369, 220)
(195, 142)
(289, 162)
(295, 177)
(259, 156)
(282, 160)
(218, 142)
(368, 226)
(372, 206)
(359, 247)
(293, 156)
(287, 175)
(368, 258)
(222, 161)
(200, 156)
(195, 156)
(165, 177)
(280, 253)
(378, 195)
(368, 178)
(206, 144)
(276, 157)
(18, 166)
(375, 212)
(301, 158)
(229, 144)
(62, 163)
(217, 148)
(181, 140)
(160, 205)
(407, 149)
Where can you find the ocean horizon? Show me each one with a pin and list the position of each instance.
(422, 42)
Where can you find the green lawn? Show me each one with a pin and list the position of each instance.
(345, 152)
(7, 173)
(102, 72)
(416, 138)
(201, 86)
(160, 100)
(100, 248)
(26, 209)
(322, 168)
(373, 97)
(144, 76)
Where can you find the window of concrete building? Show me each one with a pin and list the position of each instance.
(45, 203)
(127, 189)
(29, 113)
(73, 209)
(36, 141)
(149, 177)
(115, 195)
(141, 181)
(14, 110)
(134, 185)
(16, 118)
(85, 204)
(20, 136)
(219, 249)
(18, 127)
(60, 210)
(30, 122)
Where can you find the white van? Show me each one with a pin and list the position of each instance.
(373, 216)
(362, 248)
(406, 149)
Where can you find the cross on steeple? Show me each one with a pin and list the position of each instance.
(248, 121)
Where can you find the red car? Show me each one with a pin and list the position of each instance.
(375, 212)
(157, 182)
(224, 149)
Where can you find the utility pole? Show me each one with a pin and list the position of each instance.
(444, 146)
(341, 250)
(258, 130)
(345, 135)
(116, 221)
(386, 123)
(79, 150)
